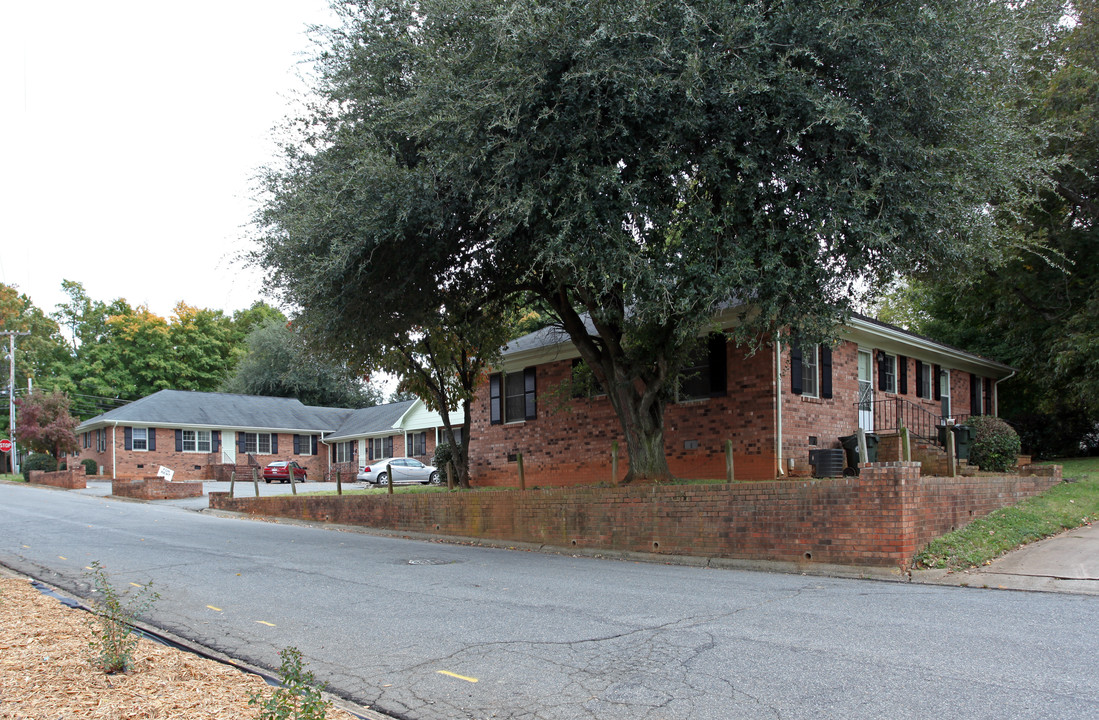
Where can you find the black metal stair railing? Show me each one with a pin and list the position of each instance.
(893, 413)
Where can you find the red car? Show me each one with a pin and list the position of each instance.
(280, 471)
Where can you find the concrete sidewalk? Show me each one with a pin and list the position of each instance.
(1068, 562)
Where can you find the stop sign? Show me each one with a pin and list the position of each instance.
(5, 445)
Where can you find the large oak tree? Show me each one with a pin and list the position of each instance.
(640, 164)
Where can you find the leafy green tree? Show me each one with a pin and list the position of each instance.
(45, 423)
(640, 165)
(204, 342)
(278, 364)
(42, 356)
(1037, 309)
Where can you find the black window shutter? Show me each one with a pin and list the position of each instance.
(85, 441)
(881, 370)
(274, 443)
(179, 440)
(988, 396)
(332, 452)
(825, 371)
(128, 438)
(902, 374)
(936, 381)
(920, 391)
(529, 393)
(974, 394)
(242, 443)
(408, 440)
(494, 401)
(718, 365)
(215, 441)
(389, 446)
(297, 444)
(795, 369)
(313, 443)
(423, 443)
(151, 434)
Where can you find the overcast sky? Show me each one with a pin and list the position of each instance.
(131, 133)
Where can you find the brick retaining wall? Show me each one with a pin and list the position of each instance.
(881, 518)
(74, 479)
(154, 488)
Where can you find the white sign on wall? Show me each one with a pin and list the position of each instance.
(166, 473)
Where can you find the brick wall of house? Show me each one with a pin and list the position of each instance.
(190, 465)
(881, 518)
(570, 442)
(812, 423)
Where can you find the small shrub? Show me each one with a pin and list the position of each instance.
(297, 699)
(90, 468)
(38, 461)
(115, 640)
(444, 455)
(996, 445)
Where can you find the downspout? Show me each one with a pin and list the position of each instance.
(996, 394)
(778, 407)
(327, 455)
(114, 451)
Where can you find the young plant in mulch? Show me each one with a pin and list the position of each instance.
(298, 698)
(112, 620)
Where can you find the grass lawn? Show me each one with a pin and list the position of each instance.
(1062, 507)
(12, 478)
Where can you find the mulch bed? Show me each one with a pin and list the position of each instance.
(46, 671)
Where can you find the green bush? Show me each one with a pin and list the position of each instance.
(444, 455)
(90, 468)
(298, 698)
(38, 461)
(996, 445)
(112, 621)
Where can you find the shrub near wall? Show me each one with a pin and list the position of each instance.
(879, 519)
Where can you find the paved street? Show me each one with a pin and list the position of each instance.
(429, 631)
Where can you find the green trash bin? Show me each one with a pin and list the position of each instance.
(963, 439)
(850, 445)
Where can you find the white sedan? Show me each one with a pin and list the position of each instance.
(404, 470)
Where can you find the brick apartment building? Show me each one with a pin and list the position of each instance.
(775, 405)
(205, 436)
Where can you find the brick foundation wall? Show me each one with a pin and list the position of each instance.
(881, 518)
(69, 479)
(154, 488)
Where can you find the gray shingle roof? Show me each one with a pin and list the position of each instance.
(223, 410)
(371, 420)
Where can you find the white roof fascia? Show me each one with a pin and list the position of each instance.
(896, 341)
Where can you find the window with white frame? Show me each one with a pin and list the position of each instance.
(925, 386)
(101, 440)
(140, 438)
(257, 443)
(810, 372)
(344, 453)
(197, 441)
(305, 445)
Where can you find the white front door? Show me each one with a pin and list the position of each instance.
(228, 447)
(866, 391)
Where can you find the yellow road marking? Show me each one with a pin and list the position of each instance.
(214, 608)
(261, 622)
(27, 547)
(62, 557)
(135, 584)
(455, 675)
(88, 567)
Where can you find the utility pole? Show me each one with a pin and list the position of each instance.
(11, 395)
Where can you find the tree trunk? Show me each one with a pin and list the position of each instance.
(644, 432)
